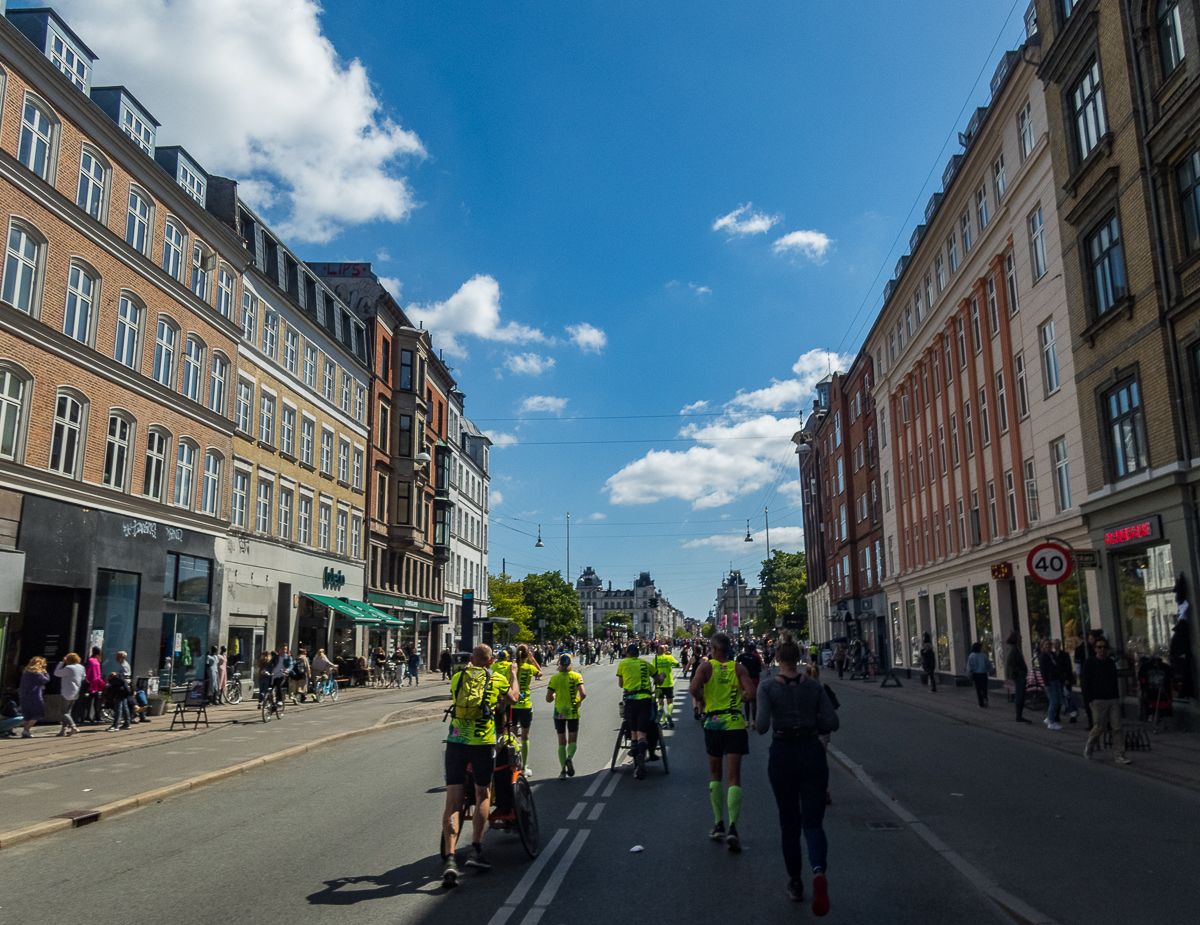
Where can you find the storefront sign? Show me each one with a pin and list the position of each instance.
(1002, 571)
(331, 580)
(1139, 532)
(1087, 558)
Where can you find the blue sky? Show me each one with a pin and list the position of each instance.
(555, 190)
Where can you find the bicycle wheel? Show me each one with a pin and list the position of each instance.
(662, 751)
(265, 707)
(617, 748)
(333, 689)
(233, 691)
(319, 691)
(280, 701)
(527, 820)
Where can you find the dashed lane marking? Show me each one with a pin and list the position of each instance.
(533, 916)
(595, 813)
(595, 785)
(560, 872)
(612, 785)
(574, 814)
(531, 875)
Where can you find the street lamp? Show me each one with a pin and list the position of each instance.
(539, 544)
(568, 545)
(767, 515)
(749, 538)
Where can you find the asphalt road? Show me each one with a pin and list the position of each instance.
(352, 832)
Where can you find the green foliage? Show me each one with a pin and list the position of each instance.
(619, 622)
(707, 630)
(552, 599)
(784, 592)
(681, 633)
(508, 601)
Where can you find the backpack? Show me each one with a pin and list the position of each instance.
(470, 695)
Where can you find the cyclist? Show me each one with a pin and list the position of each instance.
(565, 690)
(637, 685)
(478, 694)
(522, 712)
(664, 664)
(723, 683)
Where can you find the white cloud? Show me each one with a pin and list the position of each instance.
(382, 255)
(587, 338)
(812, 244)
(543, 403)
(496, 497)
(735, 225)
(256, 91)
(528, 364)
(784, 394)
(790, 539)
(499, 439)
(699, 290)
(694, 406)
(393, 285)
(474, 310)
(597, 516)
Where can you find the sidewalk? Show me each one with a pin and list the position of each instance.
(1173, 757)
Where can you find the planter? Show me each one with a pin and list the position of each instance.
(157, 706)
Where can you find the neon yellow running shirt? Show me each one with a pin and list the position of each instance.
(565, 685)
(723, 697)
(663, 664)
(525, 676)
(635, 678)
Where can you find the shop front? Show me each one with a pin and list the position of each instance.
(424, 624)
(346, 629)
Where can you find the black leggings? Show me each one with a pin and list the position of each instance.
(799, 775)
(981, 687)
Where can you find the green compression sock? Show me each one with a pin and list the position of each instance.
(735, 804)
(562, 756)
(670, 707)
(524, 752)
(571, 746)
(716, 793)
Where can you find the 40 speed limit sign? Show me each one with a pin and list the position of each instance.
(1049, 563)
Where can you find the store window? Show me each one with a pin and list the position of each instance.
(1072, 617)
(984, 635)
(1037, 599)
(1146, 600)
(942, 628)
(115, 616)
(182, 646)
(187, 579)
(914, 641)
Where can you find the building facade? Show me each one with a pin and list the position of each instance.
(737, 605)
(646, 607)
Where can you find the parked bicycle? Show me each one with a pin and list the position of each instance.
(233, 688)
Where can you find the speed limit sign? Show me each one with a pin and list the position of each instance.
(1049, 563)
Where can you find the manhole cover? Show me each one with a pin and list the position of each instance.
(883, 826)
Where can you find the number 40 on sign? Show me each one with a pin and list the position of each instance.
(1049, 563)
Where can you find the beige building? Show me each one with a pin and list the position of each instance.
(981, 451)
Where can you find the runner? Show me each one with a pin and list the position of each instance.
(664, 664)
(478, 694)
(565, 690)
(752, 662)
(637, 684)
(723, 683)
(527, 670)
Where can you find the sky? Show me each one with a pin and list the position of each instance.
(640, 233)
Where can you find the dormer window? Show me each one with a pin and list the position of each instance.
(67, 60)
(137, 129)
(192, 182)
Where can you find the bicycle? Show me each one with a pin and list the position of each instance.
(326, 687)
(272, 704)
(655, 737)
(233, 688)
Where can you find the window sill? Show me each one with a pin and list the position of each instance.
(326, 475)
(308, 466)
(265, 446)
(1102, 150)
(1123, 306)
(283, 454)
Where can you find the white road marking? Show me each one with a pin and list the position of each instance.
(560, 872)
(977, 878)
(502, 915)
(533, 916)
(531, 875)
(574, 814)
(595, 813)
(612, 785)
(595, 785)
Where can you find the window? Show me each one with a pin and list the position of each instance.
(343, 462)
(346, 392)
(329, 379)
(405, 435)
(165, 341)
(81, 292)
(63, 57)
(225, 292)
(37, 140)
(323, 527)
(908, 322)
(887, 493)
(266, 419)
(954, 438)
(962, 341)
(1025, 139)
(262, 512)
(285, 514)
(1062, 475)
(1032, 508)
(952, 251)
(304, 521)
(939, 269)
(384, 439)
(976, 525)
(842, 520)
(356, 536)
(1049, 356)
(287, 430)
(1188, 176)
(210, 493)
(1010, 497)
(904, 407)
(360, 403)
(137, 223)
(993, 310)
(1022, 390)
(999, 181)
(92, 175)
(1128, 430)
(192, 183)
(981, 208)
(984, 422)
(156, 464)
(381, 497)
(1088, 100)
(942, 448)
(218, 374)
(201, 275)
(976, 335)
(193, 366)
(241, 487)
(172, 259)
(245, 402)
(310, 366)
(965, 225)
(1170, 36)
(357, 472)
(270, 333)
(21, 267)
(1010, 279)
(1037, 244)
(406, 369)
(928, 293)
(140, 131)
(341, 532)
(837, 428)
(185, 468)
(841, 477)
(249, 314)
(128, 326)
(962, 527)
(1002, 402)
(12, 404)
(291, 348)
(307, 438)
(970, 431)
(949, 363)
(327, 452)
(116, 452)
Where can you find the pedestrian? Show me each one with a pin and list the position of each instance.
(125, 670)
(414, 665)
(445, 663)
(94, 688)
(1066, 672)
(928, 663)
(1102, 695)
(839, 657)
(33, 685)
(210, 675)
(797, 711)
(1180, 655)
(1083, 652)
(1053, 682)
(116, 697)
(978, 668)
(1017, 671)
(752, 662)
(299, 676)
(222, 674)
(74, 677)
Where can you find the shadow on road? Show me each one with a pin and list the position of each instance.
(409, 878)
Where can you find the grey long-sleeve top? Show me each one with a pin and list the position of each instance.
(801, 704)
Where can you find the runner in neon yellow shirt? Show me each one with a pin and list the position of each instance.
(664, 665)
(565, 690)
(527, 670)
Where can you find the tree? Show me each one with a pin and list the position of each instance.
(680, 633)
(619, 622)
(552, 599)
(508, 602)
(707, 630)
(784, 592)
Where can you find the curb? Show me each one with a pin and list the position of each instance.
(109, 810)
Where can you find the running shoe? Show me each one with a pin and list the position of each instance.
(570, 768)
(820, 904)
(450, 874)
(639, 773)
(562, 775)
(1053, 726)
(1087, 751)
(718, 832)
(652, 757)
(1121, 759)
(476, 859)
(732, 840)
(795, 890)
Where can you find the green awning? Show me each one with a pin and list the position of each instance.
(362, 613)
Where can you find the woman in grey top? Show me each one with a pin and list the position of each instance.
(797, 711)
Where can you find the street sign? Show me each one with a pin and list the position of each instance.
(778, 624)
(541, 624)
(1087, 558)
(1049, 563)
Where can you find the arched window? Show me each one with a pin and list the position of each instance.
(129, 326)
(36, 149)
(92, 195)
(217, 384)
(210, 495)
(116, 451)
(22, 268)
(82, 290)
(226, 287)
(157, 442)
(137, 221)
(1170, 35)
(166, 342)
(185, 473)
(193, 369)
(202, 264)
(69, 423)
(172, 260)
(14, 400)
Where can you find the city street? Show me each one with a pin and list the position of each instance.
(355, 825)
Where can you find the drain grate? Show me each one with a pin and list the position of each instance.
(883, 826)
(80, 816)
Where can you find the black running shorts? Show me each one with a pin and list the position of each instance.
(481, 758)
(562, 726)
(522, 717)
(639, 714)
(721, 742)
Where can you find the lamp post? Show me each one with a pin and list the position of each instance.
(568, 545)
(767, 515)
